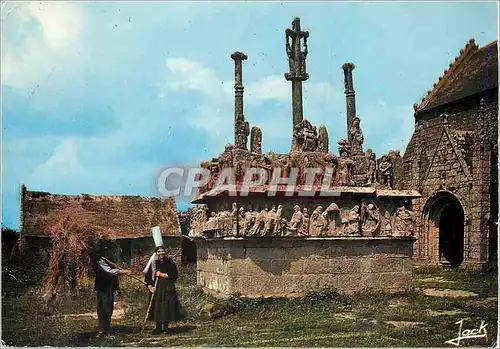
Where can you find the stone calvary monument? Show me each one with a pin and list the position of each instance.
(345, 227)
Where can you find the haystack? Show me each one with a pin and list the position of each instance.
(74, 235)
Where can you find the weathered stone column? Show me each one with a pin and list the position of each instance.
(241, 127)
(349, 96)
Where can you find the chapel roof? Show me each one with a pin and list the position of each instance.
(475, 70)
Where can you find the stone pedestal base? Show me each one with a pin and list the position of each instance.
(280, 266)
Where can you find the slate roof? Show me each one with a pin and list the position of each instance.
(475, 70)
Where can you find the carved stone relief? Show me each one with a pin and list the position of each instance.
(366, 219)
(403, 222)
(318, 225)
(199, 217)
(370, 225)
(305, 136)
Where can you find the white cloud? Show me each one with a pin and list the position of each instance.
(190, 75)
(63, 159)
(271, 87)
(60, 22)
(38, 37)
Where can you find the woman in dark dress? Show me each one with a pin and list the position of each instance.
(166, 305)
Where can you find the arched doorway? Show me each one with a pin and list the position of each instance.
(444, 215)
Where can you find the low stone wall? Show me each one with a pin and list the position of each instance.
(280, 266)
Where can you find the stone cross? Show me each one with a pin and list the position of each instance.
(349, 96)
(241, 127)
(297, 65)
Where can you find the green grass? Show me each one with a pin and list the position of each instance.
(316, 320)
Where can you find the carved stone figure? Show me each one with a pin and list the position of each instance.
(249, 220)
(256, 140)
(356, 136)
(385, 171)
(296, 222)
(242, 132)
(285, 166)
(332, 216)
(305, 136)
(214, 171)
(241, 222)
(225, 159)
(371, 172)
(371, 221)
(303, 55)
(290, 54)
(278, 222)
(199, 218)
(344, 173)
(224, 223)
(352, 226)
(296, 57)
(344, 148)
(318, 225)
(404, 222)
(260, 223)
(212, 222)
(323, 139)
(387, 224)
(234, 219)
(305, 222)
(270, 221)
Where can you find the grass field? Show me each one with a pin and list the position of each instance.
(425, 318)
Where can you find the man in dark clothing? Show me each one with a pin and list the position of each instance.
(162, 271)
(106, 284)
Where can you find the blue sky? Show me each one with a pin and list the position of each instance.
(97, 97)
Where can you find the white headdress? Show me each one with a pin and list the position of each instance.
(156, 231)
(157, 236)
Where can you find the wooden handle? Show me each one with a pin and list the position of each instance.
(118, 267)
(149, 307)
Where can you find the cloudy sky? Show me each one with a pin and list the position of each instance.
(97, 97)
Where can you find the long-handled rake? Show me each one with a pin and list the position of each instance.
(149, 307)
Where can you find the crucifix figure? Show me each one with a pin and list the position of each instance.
(297, 65)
